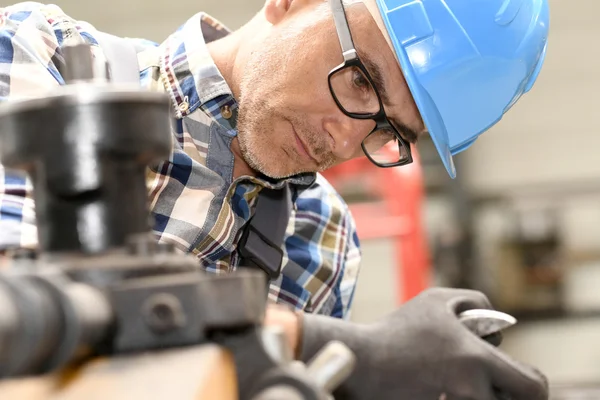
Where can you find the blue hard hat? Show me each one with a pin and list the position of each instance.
(466, 62)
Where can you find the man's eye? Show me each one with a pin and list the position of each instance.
(389, 135)
(360, 81)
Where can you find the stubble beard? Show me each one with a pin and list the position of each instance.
(248, 127)
(254, 130)
(256, 148)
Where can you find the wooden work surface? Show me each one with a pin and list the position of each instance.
(204, 372)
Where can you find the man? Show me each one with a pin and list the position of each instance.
(266, 105)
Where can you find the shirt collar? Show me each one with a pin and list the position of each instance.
(188, 71)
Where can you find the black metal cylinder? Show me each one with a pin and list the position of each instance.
(27, 340)
(48, 321)
(86, 150)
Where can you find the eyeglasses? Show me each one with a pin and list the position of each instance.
(355, 94)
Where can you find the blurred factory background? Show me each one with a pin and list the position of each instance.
(521, 222)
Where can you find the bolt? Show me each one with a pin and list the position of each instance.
(276, 344)
(279, 392)
(163, 313)
(332, 365)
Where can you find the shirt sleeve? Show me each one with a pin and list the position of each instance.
(31, 35)
(351, 266)
(321, 254)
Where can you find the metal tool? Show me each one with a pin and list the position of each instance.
(484, 322)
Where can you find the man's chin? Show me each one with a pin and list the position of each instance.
(277, 172)
(274, 169)
(273, 172)
(284, 175)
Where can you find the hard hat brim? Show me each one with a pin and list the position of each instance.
(427, 108)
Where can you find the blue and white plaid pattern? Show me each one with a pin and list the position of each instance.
(196, 204)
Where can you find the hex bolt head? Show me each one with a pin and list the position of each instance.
(163, 313)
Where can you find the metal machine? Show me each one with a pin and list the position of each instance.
(101, 310)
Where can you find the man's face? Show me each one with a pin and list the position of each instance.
(288, 121)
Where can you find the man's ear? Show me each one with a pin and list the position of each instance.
(275, 10)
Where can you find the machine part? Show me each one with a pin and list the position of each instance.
(286, 381)
(90, 160)
(276, 344)
(86, 317)
(145, 244)
(141, 244)
(23, 343)
(325, 372)
(93, 309)
(133, 300)
(257, 372)
(332, 365)
(280, 393)
(178, 309)
(48, 319)
(110, 268)
(250, 357)
(57, 320)
(163, 313)
(233, 300)
(81, 66)
(486, 322)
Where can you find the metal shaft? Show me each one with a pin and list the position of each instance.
(332, 365)
(86, 147)
(48, 321)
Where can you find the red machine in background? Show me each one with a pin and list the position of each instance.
(392, 211)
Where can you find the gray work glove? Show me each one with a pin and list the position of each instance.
(423, 352)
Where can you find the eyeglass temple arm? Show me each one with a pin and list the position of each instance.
(343, 30)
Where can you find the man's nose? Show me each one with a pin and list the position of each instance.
(348, 133)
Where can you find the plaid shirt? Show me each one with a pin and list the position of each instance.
(196, 204)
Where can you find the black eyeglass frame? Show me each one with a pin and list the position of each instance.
(351, 59)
